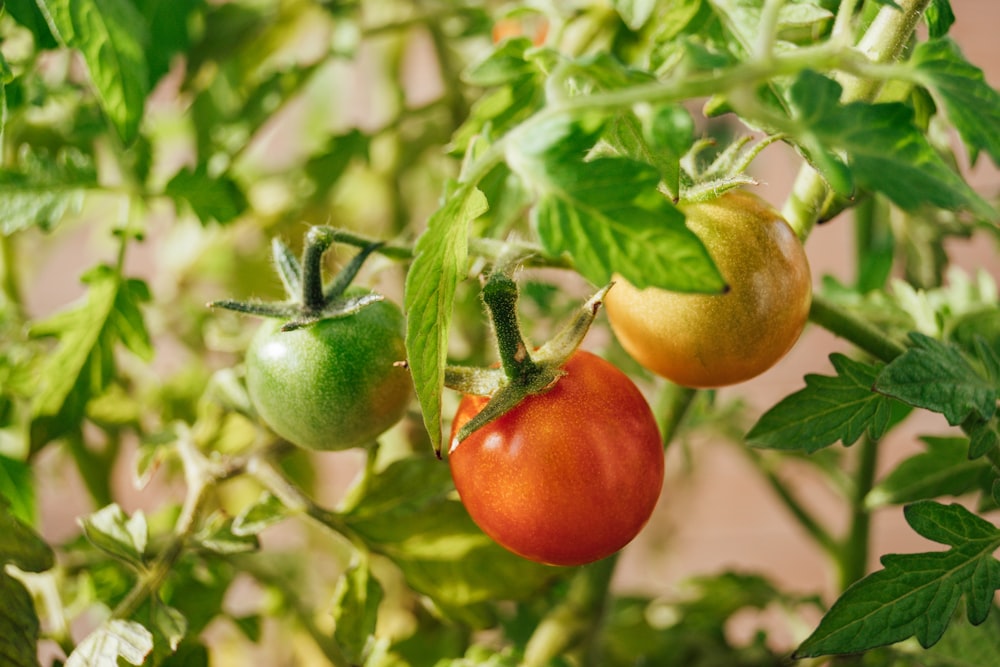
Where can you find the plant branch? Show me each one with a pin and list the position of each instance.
(853, 558)
(854, 329)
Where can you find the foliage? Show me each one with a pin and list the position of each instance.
(154, 148)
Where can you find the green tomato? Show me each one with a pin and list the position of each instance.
(332, 385)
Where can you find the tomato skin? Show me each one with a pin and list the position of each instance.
(331, 385)
(568, 476)
(700, 340)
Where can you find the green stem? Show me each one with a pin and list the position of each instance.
(671, 408)
(823, 538)
(573, 620)
(318, 241)
(500, 296)
(882, 44)
(10, 290)
(853, 560)
(854, 329)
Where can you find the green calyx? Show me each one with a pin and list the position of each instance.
(309, 301)
(522, 372)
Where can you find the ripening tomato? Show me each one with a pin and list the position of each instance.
(334, 384)
(700, 340)
(568, 476)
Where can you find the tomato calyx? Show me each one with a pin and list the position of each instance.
(309, 301)
(522, 372)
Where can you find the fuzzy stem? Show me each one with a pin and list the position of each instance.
(318, 241)
(851, 327)
(500, 295)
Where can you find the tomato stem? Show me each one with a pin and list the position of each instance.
(318, 241)
(500, 295)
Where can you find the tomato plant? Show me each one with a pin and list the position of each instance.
(568, 476)
(712, 340)
(521, 156)
(334, 385)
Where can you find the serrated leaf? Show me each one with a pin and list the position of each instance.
(829, 409)
(44, 190)
(170, 36)
(506, 64)
(966, 645)
(113, 37)
(635, 13)
(83, 364)
(266, 511)
(355, 610)
(944, 469)
(20, 545)
(935, 376)
(169, 622)
(212, 198)
(116, 639)
(607, 213)
(915, 595)
(117, 534)
(439, 264)
(19, 626)
(885, 150)
(960, 88)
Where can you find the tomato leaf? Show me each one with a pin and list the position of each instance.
(885, 150)
(17, 486)
(18, 624)
(943, 469)
(916, 594)
(829, 409)
(44, 189)
(440, 262)
(116, 639)
(83, 364)
(940, 17)
(935, 376)
(113, 37)
(971, 104)
(607, 213)
(355, 610)
(965, 644)
(408, 513)
(20, 545)
(115, 533)
(212, 198)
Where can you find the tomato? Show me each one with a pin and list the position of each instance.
(700, 340)
(568, 476)
(331, 385)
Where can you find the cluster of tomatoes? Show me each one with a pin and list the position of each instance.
(571, 474)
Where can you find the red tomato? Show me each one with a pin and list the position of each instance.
(568, 476)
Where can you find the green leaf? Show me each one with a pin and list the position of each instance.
(19, 626)
(117, 534)
(935, 376)
(607, 213)
(984, 436)
(21, 546)
(944, 469)
(829, 409)
(116, 639)
(27, 13)
(266, 511)
(113, 37)
(916, 594)
(217, 535)
(170, 36)
(966, 645)
(44, 190)
(213, 199)
(83, 365)
(660, 139)
(440, 262)
(408, 513)
(17, 485)
(885, 150)
(355, 610)
(939, 17)
(971, 104)
(635, 13)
